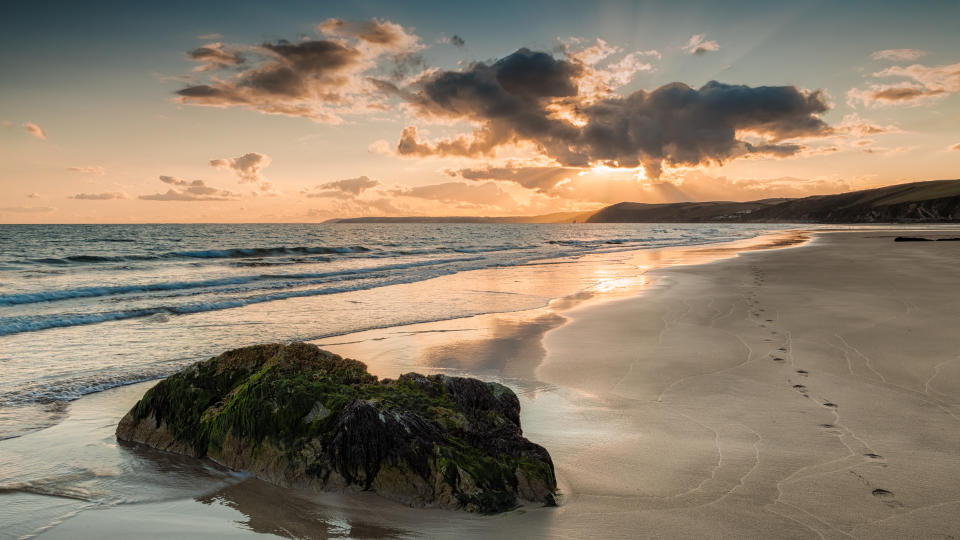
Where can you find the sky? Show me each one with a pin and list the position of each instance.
(123, 112)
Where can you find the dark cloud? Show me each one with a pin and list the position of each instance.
(213, 56)
(407, 64)
(189, 190)
(99, 196)
(314, 78)
(457, 41)
(516, 99)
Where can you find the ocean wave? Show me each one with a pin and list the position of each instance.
(244, 253)
(33, 323)
(234, 253)
(93, 292)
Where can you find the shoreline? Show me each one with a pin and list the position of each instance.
(35, 404)
(671, 412)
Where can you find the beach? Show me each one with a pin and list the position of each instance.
(803, 384)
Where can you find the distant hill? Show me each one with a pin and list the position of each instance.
(558, 217)
(917, 202)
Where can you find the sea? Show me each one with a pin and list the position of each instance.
(84, 308)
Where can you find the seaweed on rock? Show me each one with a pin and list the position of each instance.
(296, 415)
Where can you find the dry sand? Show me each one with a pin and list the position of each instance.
(805, 392)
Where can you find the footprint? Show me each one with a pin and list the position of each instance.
(778, 359)
(873, 456)
(802, 371)
(799, 387)
(827, 426)
(887, 497)
(831, 405)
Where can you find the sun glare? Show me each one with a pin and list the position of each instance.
(635, 173)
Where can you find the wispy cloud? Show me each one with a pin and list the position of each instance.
(898, 55)
(35, 130)
(248, 167)
(923, 85)
(487, 195)
(189, 190)
(94, 169)
(26, 209)
(215, 56)
(99, 196)
(349, 187)
(698, 44)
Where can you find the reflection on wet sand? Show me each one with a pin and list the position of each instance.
(292, 514)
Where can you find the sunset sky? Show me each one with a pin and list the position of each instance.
(305, 111)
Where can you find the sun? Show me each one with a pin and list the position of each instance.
(637, 173)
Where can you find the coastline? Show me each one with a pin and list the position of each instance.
(667, 412)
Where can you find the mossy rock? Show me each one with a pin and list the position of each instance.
(296, 415)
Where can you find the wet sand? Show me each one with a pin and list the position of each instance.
(804, 392)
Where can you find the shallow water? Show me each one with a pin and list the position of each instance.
(85, 308)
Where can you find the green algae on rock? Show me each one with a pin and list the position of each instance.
(298, 416)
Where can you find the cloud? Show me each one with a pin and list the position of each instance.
(898, 55)
(883, 95)
(248, 167)
(321, 79)
(6, 124)
(540, 179)
(514, 101)
(955, 147)
(852, 124)
(350, 187)
(95, 169)
(35, 131)
(698, 45)
(33, 195)
(456, 41)
(99, 196)
(562, 186)
(488, 194)
(210, 36)
(215, 56)
(383, 35)
(924, 85)
(26, 209)
(189, 190)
